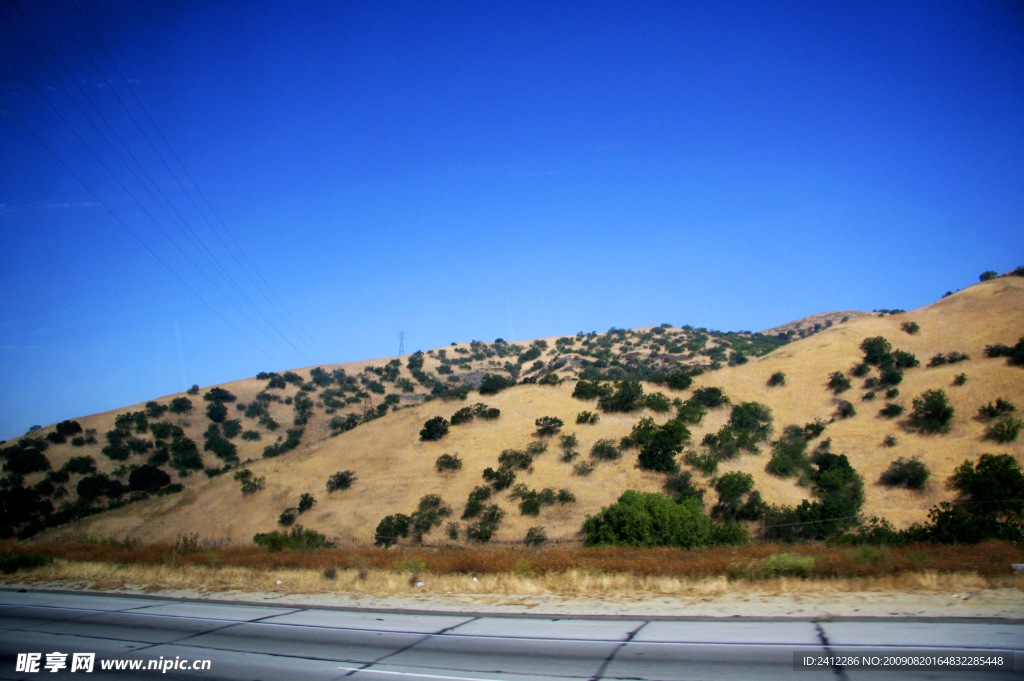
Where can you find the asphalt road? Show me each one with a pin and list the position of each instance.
(267, 643)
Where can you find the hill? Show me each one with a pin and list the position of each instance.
(366, 417)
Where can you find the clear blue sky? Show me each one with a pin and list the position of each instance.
(464, 171)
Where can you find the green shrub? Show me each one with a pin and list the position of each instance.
(589, 390)
(628, 396)
(434, 429)
(287, 517)
(737, 498)
(219, 395)
(535, 536)
(232, 428)
(493, 384)
(605, 450)
(705, 463)
(586, 417)
(1004, 430)
(147, 478)
(838, 382)
(289, 443)
(340, 480)
(221, 448)
(584, 468)
(430, 513)
(1014, 356)
(298, 539)
(868, 396)
(645, 519)
(306, 502)
(912, 474)
(710, 397)
(680, 486)
(905, 360)
(990, 274)
(9, 564)
(565, 497)
(548, 425)
(216, 412)
(485, 412)
(464, 415)
(569, 442)
(679, 379)
(448, 462)
(390, 529)
(861, 370)
(991, 411)
(876, 350)
(499, 479)
(660, 445)
(910, 327)
(691, 412)
(891, 410)
(250, 483)
(845, 410)
(995, 485)
(890, 440)
(776, 379)
(932, 412)
(251, 435)
(789, 454)
(839, 493)
(785, 565)
(185, 454)
(550, 379)
(475, 503)
(960, 379)
(482, 530)
(658, 402)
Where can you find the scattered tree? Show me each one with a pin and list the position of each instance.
(912, 474)
(932, 412)
(448, 462)
(548, 425)
(340, 480)
(434, 429)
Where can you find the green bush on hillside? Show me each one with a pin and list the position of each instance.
(932, 412)
(645, 519)
(912, 474)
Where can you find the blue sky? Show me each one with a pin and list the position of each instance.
(463, 171)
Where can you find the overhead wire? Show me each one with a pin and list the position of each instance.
(202, 246)
(185, 170)
(130, 230)
(129, 193)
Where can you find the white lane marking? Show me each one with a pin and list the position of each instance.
(421, 676)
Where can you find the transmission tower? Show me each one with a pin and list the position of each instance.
(401, 343)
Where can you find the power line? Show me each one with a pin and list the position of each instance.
(202, 246)
(187, 174)
(129, 229)
(129, 193)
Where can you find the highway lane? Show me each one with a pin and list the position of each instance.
(295, 643)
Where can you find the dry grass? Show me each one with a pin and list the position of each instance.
(394, 469)
(991, 560)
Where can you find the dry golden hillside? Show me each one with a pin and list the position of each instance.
(394, 469)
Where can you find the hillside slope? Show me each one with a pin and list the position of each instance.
(394, 468)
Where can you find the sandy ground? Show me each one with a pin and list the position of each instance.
(986, 603)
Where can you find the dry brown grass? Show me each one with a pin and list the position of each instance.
(572, 583)
(989, 560)
(395, 469)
